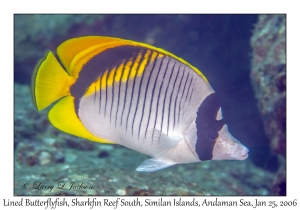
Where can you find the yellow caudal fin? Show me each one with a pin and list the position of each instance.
(50, 82)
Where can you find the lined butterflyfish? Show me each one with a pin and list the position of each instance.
(117, 91)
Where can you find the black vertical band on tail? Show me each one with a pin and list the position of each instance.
(206, 122)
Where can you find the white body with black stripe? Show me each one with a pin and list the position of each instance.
(154, 113)
(136, 95)
(158, 115)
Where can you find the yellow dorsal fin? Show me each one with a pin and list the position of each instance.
(72, 47)
(74, 53)
(63, 117)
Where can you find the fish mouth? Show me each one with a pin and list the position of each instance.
(243, 157)
(243, 152)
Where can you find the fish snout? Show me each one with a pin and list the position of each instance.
(229, 148)
(241, 152)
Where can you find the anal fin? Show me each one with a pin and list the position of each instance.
(63, 116)
(154, 164)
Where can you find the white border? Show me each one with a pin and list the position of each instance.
(8, 8)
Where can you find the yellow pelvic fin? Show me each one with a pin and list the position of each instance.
(50, 82)
(76, 52)
(63, 117)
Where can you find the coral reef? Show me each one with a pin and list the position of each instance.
(268, 76)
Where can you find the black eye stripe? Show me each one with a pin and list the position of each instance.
(207, 126)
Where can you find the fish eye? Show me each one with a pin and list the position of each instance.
(211, 134)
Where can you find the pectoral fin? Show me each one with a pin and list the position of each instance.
(160, 142)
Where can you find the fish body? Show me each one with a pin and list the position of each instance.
(112, 90)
